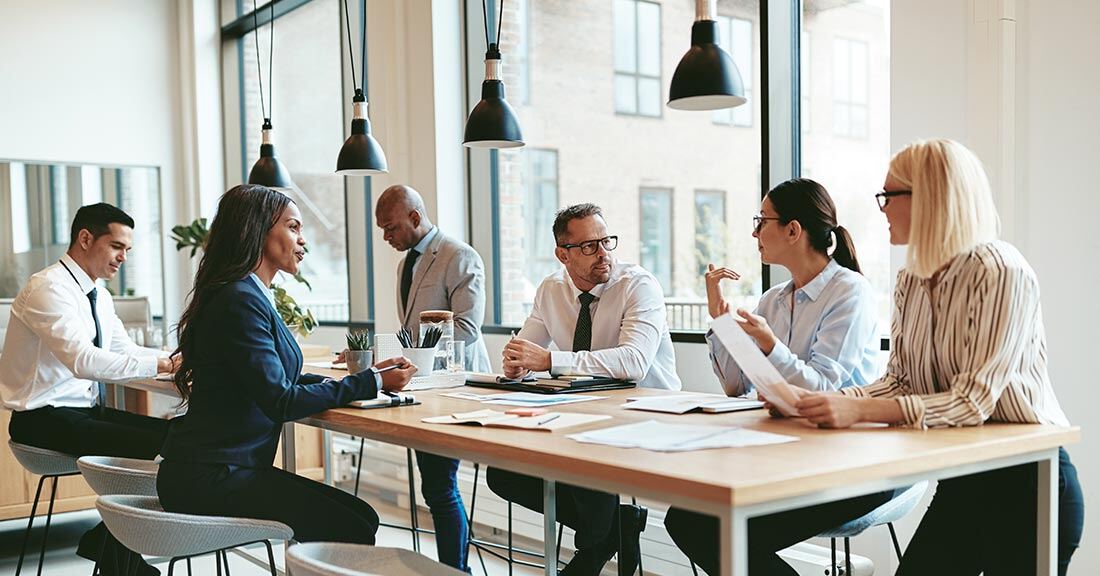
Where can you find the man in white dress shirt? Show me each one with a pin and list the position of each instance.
(605, 318)
(63, 339)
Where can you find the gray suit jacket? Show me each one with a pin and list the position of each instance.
(449, 276)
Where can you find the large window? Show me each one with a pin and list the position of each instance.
(847, 149)
(656, 234)
(642, 173)
(735, 37)
(710, 233)
(637, 57)
(308, 118)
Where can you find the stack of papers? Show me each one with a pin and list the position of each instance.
(527, 399)
(754, 364)
(491, 418)
(662, 437)
(683, 403)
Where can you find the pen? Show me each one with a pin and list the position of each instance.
(390, 367)
(547, 419)
(513, 335)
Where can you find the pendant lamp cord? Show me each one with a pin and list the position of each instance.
(351, 50)
(485, 19)
(270, 59)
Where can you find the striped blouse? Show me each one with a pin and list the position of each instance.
(968, 345)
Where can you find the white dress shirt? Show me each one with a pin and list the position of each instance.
(831, 341)
(49, 356)
(630, 338)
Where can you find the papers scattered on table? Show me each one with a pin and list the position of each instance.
(662, 437)
(434, 381)
(527, 399)
(491, 418)
(753, 363)
(683, 403)
(328, 365)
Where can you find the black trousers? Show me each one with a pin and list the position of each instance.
(589, 513)
(93, 431)
(697, 534)
(314, 511)
(985, 523)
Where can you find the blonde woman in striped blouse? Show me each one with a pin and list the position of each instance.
(967, 347)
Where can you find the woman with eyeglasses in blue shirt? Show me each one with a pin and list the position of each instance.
(819, 330)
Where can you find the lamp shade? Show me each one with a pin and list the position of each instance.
(706, 77)
(361, 154)
(268, 171)
(492, 123)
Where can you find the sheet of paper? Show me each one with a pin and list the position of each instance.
(531, 399)
(753, 363)
(677, 404)
(548, 422)
(434, 381)
(664, 437)
(328, 365)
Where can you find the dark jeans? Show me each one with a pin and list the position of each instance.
(316, 512)
(697, 534)
(985, 523)
(439, 485)
(93, 431)
(588, 512)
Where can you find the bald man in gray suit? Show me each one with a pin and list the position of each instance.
(437, 273)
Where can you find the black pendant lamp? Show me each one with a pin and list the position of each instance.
(267, 171)
(706, 77)
(492, 123)
(361, 154)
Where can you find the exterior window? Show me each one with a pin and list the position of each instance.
(637, 57)
(710, 233)
(656, 234)
(850, 88)
(735, 37)
(541, 202)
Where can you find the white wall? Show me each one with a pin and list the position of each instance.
(934, 86)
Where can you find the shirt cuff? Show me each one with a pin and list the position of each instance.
(377, 380)
(781, 357)
(561, 362)
(913, 411)
(854, 392)
(148, 365)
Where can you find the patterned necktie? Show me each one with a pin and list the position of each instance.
(407, 276)
(98, 341)
(582, 336)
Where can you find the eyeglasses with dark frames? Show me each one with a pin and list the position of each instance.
(883, 198)
(590, 247)
(759, 220)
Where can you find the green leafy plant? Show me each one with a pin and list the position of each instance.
(358, 340)
(297, 318)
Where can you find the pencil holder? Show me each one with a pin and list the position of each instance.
(422, 358)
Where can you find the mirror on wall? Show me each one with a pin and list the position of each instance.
(38, 202)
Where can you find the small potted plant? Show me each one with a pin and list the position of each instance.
(359, 355)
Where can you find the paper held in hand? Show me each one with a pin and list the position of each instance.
(753, 363)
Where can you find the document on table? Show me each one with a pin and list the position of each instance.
(328, 365)
(663, 437)
(527, 399)
(549, 421)
(435, 381)
(684, 403)
(753, 363)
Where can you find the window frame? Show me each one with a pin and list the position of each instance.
(850, 103)
(730, 116)
(670, 193)
(637, 75)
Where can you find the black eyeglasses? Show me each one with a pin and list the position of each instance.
(884, 197)
(758, 222)
(590, 247)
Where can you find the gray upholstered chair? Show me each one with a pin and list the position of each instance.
(47, 464)
(112, 475)
(896, 509)
(339, 559)
(140, 524)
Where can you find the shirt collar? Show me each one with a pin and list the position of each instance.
(422, 246)
(264, 289)
(86, 283)
(815, 287)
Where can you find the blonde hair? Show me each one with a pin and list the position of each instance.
(952, 207)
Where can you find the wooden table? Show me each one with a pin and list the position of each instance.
(734, 484)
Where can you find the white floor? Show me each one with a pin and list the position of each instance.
(65, 531)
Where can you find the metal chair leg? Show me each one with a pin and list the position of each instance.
(46, 534)
(358, 468)
(832, 548)
(894, 537)
(225, 558)
(557, 551)
(510, 538)
(412, 501)
(641, 571)
(188, 566)
(270, 558)
(470, 523)
(30, 523)
(847, 559)
(694, 570)
(218, 562)
(171, 565)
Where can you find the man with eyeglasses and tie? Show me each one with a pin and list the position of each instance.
(605, 318)
(63, 340)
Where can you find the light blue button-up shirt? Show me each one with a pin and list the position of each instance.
(422, 246)
(831, 342)
(265, 289)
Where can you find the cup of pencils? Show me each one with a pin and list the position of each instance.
(422, 355)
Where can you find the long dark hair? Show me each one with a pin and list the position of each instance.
(808, 203)
(246, 213)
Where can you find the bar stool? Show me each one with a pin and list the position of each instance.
(115, 475)
(341, 559)
(140, 524)
(47, 464)
(896, 509)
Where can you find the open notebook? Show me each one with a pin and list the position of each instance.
(548, 422)
(683, 403)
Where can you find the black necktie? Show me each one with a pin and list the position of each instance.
(582, 336)
(407, 276)
(98, 340)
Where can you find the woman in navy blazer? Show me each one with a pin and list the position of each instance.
(241, 378)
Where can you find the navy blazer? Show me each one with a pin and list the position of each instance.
(247, 382)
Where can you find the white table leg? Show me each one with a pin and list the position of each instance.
(735, 543)
(290, 463)
(1046, 550)
(549, 527)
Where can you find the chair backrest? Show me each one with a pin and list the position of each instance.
(110, 475)
(340, 559)
(141, 525)
(134, 311)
